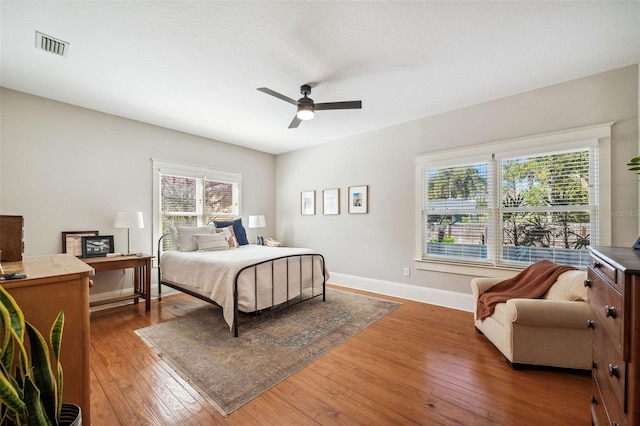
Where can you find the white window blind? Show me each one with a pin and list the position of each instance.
(548, 208)
(188, 195)
(457, 211)
(511, 203)
(179, 200)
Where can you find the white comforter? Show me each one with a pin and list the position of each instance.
(212, 274)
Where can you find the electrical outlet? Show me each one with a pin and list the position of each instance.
(407, 272)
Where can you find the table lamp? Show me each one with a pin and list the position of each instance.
(129, 220)
(257, 221)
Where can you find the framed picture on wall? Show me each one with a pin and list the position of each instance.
(97, 246)
(358, 199)
(331, 201)
(308, 202)
(72, 241)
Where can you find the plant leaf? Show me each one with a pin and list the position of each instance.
(634, 164)
(55, 337)
(43, 377)
(9, 396)
(36, 415)
(17, 317)
(7, 343)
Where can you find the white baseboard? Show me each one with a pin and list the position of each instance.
(448, 299)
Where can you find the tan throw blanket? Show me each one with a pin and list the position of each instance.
(531, 283)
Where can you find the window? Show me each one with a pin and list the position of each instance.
(186, 195)
(457, 210)
(548, 207)
(503, 205)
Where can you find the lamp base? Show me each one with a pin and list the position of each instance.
(128, 241)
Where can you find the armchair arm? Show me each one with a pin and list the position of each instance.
(548, 313)
(480, 285)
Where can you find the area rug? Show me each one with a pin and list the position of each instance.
(229, 372)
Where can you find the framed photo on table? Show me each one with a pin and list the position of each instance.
(97, 246)
(331, 201)
(358, 199)
(308, 202)
(72, 241)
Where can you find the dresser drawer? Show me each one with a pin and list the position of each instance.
(609, 371)
(607, 309)
(598, 412)
(607, 271)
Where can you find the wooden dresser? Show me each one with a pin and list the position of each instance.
(55, 282)
(614, 293)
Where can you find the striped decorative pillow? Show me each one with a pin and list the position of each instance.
(207, 242)
(229, 235)
(186, 233)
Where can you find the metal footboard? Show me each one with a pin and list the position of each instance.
(300, 261)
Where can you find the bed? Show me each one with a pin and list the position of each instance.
(244, 278)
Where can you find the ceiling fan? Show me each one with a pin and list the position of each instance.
(306, 106)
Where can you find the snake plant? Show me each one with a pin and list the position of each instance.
(30, 391)
(634, 165)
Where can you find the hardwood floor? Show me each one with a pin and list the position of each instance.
(422, 364)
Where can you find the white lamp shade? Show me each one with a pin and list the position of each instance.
(257, 221)
(129, 220)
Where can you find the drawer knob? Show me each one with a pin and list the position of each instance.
(590, 324)
(610, 311)
(594, 365)
(594, 400)
(614, 370)
(587, 283)
(597, 264)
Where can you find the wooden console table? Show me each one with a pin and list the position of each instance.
(59, 282)
(141, 277)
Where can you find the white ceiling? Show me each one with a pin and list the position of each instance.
(194, 66)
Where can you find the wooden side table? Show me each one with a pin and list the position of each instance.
(141, 278)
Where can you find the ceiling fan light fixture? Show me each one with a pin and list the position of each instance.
(305, 112)
(306, 108)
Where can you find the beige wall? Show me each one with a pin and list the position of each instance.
(379, 245)
(66, 168)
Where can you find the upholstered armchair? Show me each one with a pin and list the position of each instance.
(550, 331)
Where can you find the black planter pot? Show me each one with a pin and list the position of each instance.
(70, 415)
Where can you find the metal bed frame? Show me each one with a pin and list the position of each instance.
(289, 302)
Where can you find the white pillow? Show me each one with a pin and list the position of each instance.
(569, 286)
(207, 242)
(175, 240)
(186, 233)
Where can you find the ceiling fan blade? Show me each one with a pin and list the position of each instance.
(277, 95)
(295, 122)
(339, 105)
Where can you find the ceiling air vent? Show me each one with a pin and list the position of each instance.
(51, 44)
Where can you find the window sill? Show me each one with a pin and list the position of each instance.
(473, 270)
